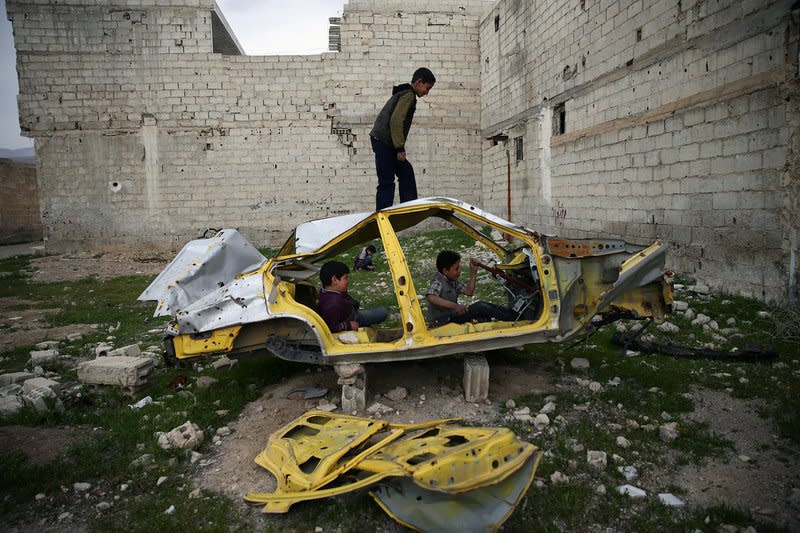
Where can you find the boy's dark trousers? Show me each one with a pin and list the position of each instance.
(484, 312)
(387, 167)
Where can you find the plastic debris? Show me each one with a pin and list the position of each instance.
(147, 400)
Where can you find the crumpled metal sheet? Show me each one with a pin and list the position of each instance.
(480, 510)
(240, 301)
(467, 473)
(200, 268)
(637, 271)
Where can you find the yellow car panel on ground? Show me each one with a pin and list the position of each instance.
(321, 454)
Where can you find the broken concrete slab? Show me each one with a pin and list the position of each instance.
(102, 349)
(33, 384)
(15, 377)
(10, 405)
(132, 350)
(116, 370)
(47, 345)
(43, 357)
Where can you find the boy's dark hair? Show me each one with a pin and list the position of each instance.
(423, 74)
(330, 270)
(371, 248)
(446, 259)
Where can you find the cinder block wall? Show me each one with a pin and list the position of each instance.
(19, 205)
(145, 136)
(644, 120)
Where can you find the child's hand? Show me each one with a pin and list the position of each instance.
(473, 267)
(354, 325)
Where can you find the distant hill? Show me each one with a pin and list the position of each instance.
(24, 155)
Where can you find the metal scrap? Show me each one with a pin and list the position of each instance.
(428, 476)
(745, 353)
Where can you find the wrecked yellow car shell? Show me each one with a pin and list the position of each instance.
(272, 305)
(310, 453)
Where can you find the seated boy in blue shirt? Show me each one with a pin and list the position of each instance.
(337, 308)
(444, 289)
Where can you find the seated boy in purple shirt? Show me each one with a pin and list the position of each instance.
(337, 308)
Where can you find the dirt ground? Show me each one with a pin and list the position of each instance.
(26, 327)
(751, 477)
(70, 267)
(758, 481)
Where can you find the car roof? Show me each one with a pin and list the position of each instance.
(312, 235)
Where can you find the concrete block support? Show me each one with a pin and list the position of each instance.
(353, 379)
(476, 378)
(120, 370)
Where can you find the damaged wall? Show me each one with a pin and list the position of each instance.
(145, 136)
(672, 119)
(20, 220)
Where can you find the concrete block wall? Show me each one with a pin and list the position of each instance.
(20, 220)
(679, 122)
(145, 137)
(679, 125)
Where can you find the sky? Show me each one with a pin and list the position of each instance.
(263, 27)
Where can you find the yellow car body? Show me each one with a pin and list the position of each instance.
(225, 297)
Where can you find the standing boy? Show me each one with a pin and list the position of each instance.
(389, 136)
(337, 308)
(443, 291)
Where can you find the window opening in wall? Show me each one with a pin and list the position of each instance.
(497, 139)
(559, 119)
(638, 34)
(518, 149)
(583, 5)
(497, 23)
(335, 34)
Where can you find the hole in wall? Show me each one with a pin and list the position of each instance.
(115, 186)
(559, 119)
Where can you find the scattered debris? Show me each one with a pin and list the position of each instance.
(597, 459)
(309, 393)
(187, 436)
(397, 394)
(634, 492)
(668, 432)
(670, 500)
(628, 472)
(224, 361)
(147, 400)
(204, 382)
(579, 363)
(747, 353)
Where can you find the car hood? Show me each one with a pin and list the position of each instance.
(206, 270)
